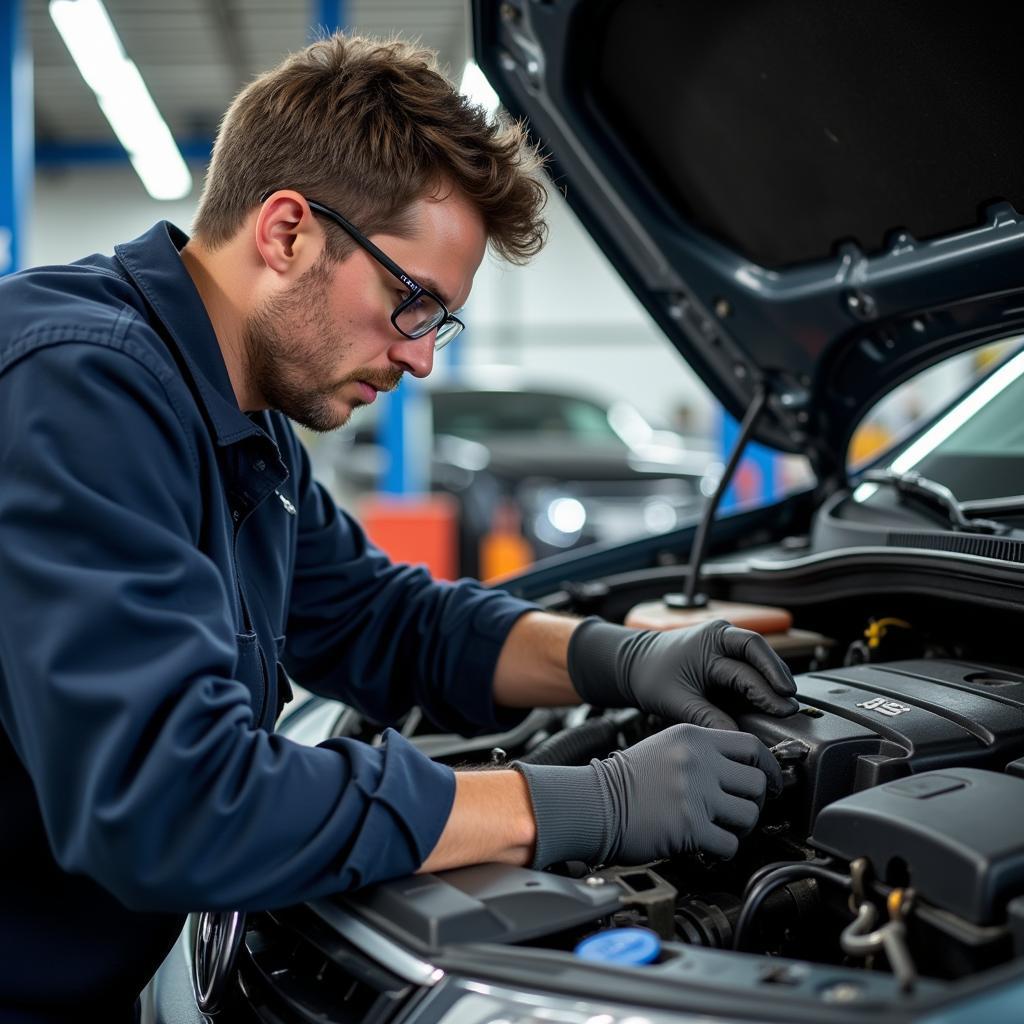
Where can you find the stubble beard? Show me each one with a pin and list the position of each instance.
(292, 374)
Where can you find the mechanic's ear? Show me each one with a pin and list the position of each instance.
(287, 235)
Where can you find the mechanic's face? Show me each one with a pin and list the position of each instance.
(327, 345)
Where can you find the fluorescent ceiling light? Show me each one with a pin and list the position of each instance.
(96, 49)
(477, 89)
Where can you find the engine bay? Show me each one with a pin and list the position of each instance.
(894, 854)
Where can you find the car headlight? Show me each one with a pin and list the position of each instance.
(561, 523)
(567, 515)
(659, 516)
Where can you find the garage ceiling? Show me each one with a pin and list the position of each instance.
(195, 54)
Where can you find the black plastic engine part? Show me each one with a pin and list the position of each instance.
(646, 891)
(945, 945)
(1015, 916)
(708, 920)
(869, 724)
(953, 835)
(575, 746)
(483, 903)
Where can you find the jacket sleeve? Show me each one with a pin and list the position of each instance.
(116, 658)
(384, 636)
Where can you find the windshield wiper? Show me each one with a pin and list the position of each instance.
(1011, 505)
(938, 496)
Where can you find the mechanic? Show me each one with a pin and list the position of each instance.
(168, 561)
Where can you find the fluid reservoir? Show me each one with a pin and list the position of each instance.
(761, 618)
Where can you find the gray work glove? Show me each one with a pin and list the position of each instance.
(671, 673)
(682, 790)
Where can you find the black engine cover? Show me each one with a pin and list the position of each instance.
(870, 724)
(955, 834)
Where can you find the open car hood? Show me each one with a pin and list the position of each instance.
(815, 199)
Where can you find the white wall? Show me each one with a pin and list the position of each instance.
(567, 316)
(90, 209)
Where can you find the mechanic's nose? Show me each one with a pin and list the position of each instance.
(415, 355)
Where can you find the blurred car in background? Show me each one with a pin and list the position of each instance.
(567, 469)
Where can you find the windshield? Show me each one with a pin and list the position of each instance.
(976, 448)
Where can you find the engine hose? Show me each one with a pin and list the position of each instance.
(575, 746)
(769, 882)
(767, 869)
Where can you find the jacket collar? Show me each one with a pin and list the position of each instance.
(154, 263)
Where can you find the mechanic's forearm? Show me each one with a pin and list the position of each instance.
(531, 669)
(491, 821)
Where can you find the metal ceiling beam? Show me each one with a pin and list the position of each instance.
(54, 153)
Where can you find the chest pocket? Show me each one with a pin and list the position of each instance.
(250, 671)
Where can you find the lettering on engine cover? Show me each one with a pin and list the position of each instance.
(884, 707)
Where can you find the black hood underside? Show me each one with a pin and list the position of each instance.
(817, 199)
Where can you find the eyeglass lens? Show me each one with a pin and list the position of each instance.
(419, 316)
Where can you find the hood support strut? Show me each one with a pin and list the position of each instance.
(691, 597)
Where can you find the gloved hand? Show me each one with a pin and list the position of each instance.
(682, 790)
(672, 673)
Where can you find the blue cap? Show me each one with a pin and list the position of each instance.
(621, 946)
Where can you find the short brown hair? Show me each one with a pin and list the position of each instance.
(369, 126)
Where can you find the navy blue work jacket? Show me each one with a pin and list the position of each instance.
(162, 556)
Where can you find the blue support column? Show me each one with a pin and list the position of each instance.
(329, 15)
(406, 435)
(454, 354)
(756, 474)
(392, 440)
(16, 135)
(404, 474)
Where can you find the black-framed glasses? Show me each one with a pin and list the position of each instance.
(421, 311)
